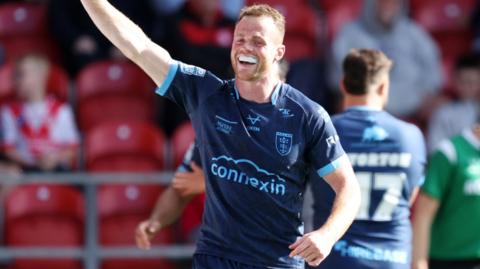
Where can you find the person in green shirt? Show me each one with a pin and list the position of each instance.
(446, 218)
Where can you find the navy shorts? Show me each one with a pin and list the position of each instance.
(202, 261)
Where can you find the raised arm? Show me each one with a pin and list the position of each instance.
(129, 39)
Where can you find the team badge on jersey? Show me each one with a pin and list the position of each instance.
(283, 143)
(374, 134)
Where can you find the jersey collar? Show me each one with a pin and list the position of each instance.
(363, 108)
(471, 138)
(273, 98)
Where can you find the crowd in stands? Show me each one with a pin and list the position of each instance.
(72, 102)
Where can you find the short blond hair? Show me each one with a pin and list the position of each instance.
(259, 10)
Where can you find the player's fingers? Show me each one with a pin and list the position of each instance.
(195, 167)
(181, 175)
(308, 251)
(296, 243)
(141, 236)
(310, 255)
(299, 249)
(316, 262)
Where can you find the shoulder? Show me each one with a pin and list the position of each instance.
(408, 134)
(447, 149)
(300, 102)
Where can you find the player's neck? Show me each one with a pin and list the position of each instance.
(259, 91)
(353, 101)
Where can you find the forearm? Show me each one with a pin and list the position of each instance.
(344, 210)
(424, 213)
(122, 32)
(421, 242)
(169, 207)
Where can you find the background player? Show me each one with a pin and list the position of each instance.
(446, 218)
(388, 156)
(257, 140)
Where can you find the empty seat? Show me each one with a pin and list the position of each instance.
(110, 90)
(121, 208)
(18, 19)
(443, 15)
(24, 29)
(17, 47)
(57, 84)
(302, 28)
(181, 140)
(125, 146)
(339, 13)
(454, 44)
(44, 215)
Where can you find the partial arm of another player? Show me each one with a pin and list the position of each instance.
(168, 208)
(189, 183)
(129, 39)
(425, 209)
(315, 246)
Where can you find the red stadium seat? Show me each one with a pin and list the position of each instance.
(182, 137)
(121, 208)
(57, 84)
(23, 29)
(443, 15)
(302, 27)
(44, 215)
(454, 44)
(22, 19)
(17, 47)
(339, 13)
(125, 146)
(191, 217)
(111, 90)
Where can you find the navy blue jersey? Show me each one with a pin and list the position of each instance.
(255, 157)
(388, 156)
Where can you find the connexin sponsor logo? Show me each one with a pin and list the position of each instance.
(263, 180)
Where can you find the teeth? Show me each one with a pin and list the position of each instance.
(248, 59)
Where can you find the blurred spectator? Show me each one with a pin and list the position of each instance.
(416, 75)
(230, 8)
(447, 212)
(40, 132)
(78, 37)
(452, 118)
(198, 33)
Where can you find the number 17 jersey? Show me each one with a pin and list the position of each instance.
(388, 156)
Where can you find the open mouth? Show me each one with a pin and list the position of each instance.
(247, 59)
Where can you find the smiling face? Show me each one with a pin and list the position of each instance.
(257, 46)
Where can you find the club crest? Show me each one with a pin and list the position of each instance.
(283, 143)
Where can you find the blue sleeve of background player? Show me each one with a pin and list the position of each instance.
(419, 156)
(192, 155)
(325, 151)
(188, 85)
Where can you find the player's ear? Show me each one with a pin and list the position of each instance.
(280, 52)
(342, 86)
